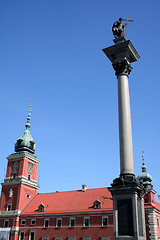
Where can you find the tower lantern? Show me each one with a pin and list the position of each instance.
(26, 142)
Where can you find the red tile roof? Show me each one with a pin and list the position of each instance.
(72, 201)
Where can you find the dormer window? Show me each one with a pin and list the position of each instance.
(97, 204)
(19, 141)
(32, 145)
(41, 207)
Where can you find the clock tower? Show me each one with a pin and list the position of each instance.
(20, 183)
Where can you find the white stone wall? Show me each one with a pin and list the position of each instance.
(152, 225)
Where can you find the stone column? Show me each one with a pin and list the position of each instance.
(122, 69)
(126, 190)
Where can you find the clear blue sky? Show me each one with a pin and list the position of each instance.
(51, 53)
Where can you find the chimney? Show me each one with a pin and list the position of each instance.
(84, 187)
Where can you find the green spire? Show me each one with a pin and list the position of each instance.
(28, 125)
(145, 177)
(26, 142)
(143, 165)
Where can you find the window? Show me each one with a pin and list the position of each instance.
(14, 175)
(28, 195)
(104, 238)
(71, 238)
(46, 222)
(31, 235)
(86, 222)
(45, 238)
(86, 238)
(59, 222)
(32, 145)
(9, 205)
(158, 221)
(58, 238)
(104, 221)
(29, 176)
(21, 236)
(72, 222)
(41, 207)
(23, 222)
(6, 223)
(33, 221)
(19, 141)
(96, 205)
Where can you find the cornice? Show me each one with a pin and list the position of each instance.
(10, 213)
(68, 227)
(20, 180)
(67, 214)
(21, 155)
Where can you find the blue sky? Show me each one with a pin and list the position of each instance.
(51, 53)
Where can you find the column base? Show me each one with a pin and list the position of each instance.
(128, 208)
(128, 180)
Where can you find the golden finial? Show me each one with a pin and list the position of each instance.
(30, 104)
(143, 156)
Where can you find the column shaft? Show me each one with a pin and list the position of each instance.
(125, 130)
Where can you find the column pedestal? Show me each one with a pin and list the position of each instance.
(128, 208)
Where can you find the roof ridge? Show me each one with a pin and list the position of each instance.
(29, 202)
(79, 190)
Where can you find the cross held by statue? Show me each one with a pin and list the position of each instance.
(126, 24)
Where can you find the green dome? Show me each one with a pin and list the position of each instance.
(145, 177)
(26, 142)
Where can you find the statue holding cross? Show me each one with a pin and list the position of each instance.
(118, 27)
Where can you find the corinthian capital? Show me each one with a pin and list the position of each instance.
(122, 67)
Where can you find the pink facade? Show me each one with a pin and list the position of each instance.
(95, 230)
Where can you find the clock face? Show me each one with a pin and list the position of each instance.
(30, 167)
(15, 166)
